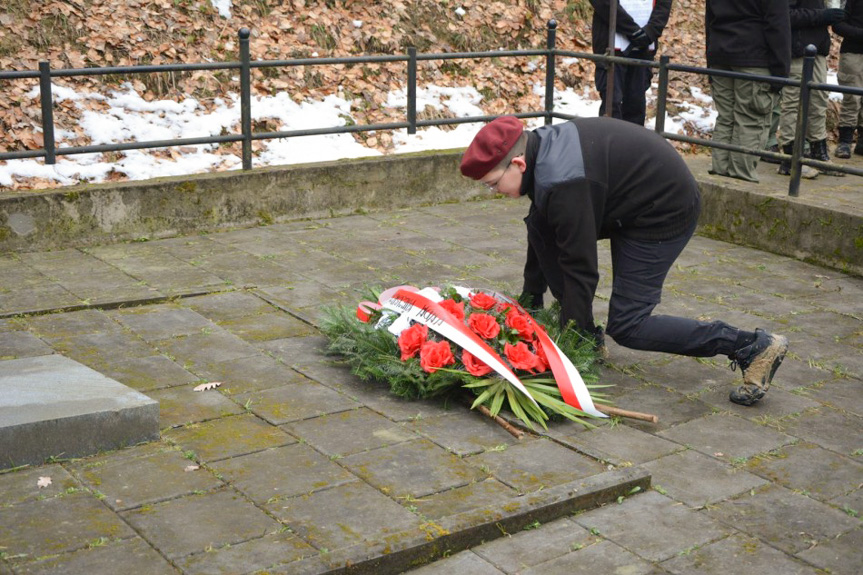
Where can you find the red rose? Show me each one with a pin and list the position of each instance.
(520, 357)
(411, 340)
(435, 354)
(457, 309)
(482, 301)
(520, 323)
(473, 365)
(484, 325)
(542, 359)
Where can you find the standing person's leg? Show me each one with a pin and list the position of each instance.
(753, 105)
(850, 74)
(640, 269)
(601, 77)
(816, 129)
(723, 99)
(637, 81)
(788, 106)
(816, 133)
(788, 120)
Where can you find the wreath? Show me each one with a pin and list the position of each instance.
(429, 342)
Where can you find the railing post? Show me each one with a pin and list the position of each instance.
(412, 90)
(246, 97)
(662, 96)
(802, 120)
(47, 100)
(549, 70)
(610, 66)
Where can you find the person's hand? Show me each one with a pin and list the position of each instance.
(832, 16)
(530, 301)
(639, 40)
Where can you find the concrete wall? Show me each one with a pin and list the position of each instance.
(104, 213)
(782, 225)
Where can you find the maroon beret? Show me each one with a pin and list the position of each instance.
(490, 146)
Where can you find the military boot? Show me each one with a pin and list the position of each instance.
(818, 151)
(807, 172)
(846, 138)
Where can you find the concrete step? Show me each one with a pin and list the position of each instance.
(54, 407)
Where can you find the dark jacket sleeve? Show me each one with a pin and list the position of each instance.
(804, 17)
(572, 211)
(658, 19)
(624, 23)
(777, 33)
(845, 28)
(627, 26)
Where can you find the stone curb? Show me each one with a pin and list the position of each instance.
(462, 531)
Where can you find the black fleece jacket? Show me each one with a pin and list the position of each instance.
(807, 27)
(851, 29)
(749, 33)
(593, 178)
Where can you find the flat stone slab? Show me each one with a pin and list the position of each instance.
(51, 405)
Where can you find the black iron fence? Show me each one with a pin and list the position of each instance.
(50, 151)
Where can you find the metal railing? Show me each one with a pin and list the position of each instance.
(50, 151)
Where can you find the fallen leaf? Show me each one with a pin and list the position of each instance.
(192, 468)
(209, 385)
(718, 454)
(43, 482)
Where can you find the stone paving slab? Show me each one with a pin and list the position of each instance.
(142, 476)
(125, 556)
(193, 524)
(70, 521)
(53, 406)
(699, 480)
(786, 520)
(738, 554)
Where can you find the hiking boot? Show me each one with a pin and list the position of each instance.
(758, 361)
(858, 149)
(818, 151)
(846, 138)
(807, 172)
(773, 148)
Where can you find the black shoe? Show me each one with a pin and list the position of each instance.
(758, 361)
(818, 151)
(807, 172)
(773, 148)
(843, 150)
(846, 138)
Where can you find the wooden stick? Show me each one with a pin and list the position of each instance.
(630, 414)
(515, 432)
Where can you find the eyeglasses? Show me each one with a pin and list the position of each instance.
(493, 187)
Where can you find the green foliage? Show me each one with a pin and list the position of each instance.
(374, 355)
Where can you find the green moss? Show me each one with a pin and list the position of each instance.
(266, 218)
(187, 186)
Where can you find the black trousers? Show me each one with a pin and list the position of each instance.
(639, 270)
(630, 84)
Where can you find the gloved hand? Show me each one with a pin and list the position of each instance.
(639, 40)
(530, 301)
(599, 343)
(831, 16)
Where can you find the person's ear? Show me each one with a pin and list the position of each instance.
(519, 161)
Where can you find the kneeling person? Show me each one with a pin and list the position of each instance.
(594, 178)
